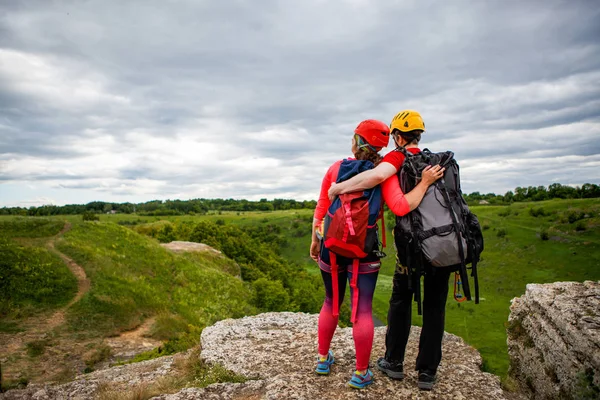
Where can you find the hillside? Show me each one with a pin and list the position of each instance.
(134, 296)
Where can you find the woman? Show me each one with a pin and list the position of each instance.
(370, 136)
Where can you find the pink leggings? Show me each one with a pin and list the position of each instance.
(362, 329)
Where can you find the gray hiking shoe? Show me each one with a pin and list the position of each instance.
(426, 380)
(391, 369)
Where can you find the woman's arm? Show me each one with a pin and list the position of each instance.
(315, 246)
(322, 205)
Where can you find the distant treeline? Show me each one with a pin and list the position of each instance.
(537, 193)
(203, 206)
(160, 207)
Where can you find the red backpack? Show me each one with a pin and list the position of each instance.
(350, 227)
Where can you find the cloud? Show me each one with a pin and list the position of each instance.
(151, 99)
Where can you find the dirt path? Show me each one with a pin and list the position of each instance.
(38, 327)
(133, 342)
(45, 329)
(83, 283)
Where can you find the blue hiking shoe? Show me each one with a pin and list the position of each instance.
(324, 366)
(359, 381)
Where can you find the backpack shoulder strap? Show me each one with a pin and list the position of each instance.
(350, 168)
(403, 150)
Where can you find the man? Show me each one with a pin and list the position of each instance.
(406, 129)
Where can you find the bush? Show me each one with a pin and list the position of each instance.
(485, 227)
(501, 233)
(301, 232)
(37, 347)
(90, 216)
(580, 226)
(575, 216)
(270, 295)
(166, 234)
(250, 273)
(99, 354)
(537, 212)
(152, 229)
(585, 388)
(307, 293)
(544, 235)
(505, 213)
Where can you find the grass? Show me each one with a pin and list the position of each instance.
(32, 279)
(189, 371)
(26, 227)
(133, 277)
(520, 256)
(10, 327)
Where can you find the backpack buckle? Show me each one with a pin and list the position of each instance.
(379, 253)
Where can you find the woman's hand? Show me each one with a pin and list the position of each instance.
(333, 191)
(431, 174)
(315, 248)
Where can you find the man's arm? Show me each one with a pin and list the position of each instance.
(364, 180)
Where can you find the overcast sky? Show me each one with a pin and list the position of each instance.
(153, 99)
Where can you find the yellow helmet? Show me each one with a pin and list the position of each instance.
(406, 121)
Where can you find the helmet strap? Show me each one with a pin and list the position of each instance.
(361, 144)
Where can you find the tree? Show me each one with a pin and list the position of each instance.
(540, 194)
(270, 295)
(89, 216)
(520, 193)
(589, 190)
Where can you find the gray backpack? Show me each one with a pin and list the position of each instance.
(442, 230)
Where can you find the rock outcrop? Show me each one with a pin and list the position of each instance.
(554, 340)
(205, 255)
(276, 351)
(180, 246)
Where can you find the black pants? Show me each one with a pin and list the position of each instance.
(435, 289)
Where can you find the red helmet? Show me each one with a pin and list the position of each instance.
(375, 133)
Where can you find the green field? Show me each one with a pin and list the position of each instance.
(133, 277)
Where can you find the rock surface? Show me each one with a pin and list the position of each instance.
(180, 246)
(554, 340)
(278, 350)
